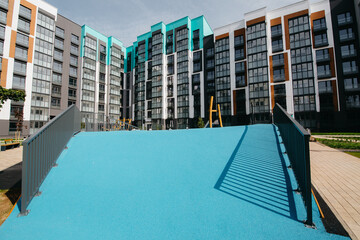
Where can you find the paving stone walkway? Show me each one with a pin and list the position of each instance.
(336, 176)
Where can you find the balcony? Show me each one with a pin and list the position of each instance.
(350, 70)
(277, 47)
(324, 74)
(319, 27)
(345, 21)
(276, 33)
(347, 37)
(323, 58)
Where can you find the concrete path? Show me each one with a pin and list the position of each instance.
(336, 176)
(10, 167)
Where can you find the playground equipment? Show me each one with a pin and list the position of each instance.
(212, 111)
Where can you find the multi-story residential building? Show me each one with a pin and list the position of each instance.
(27, 38)
(303, 56)
(102, 78)
(165, 68)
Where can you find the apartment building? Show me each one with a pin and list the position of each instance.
(303, 56)
(166, 74)
(101, 79)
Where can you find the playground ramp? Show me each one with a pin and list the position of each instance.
(220, 183)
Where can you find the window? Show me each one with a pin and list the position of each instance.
(21, 53)
(350, 67)
(58, 55)
(344, 18)
(24, 25)
(56, 78)
(57, 66)
(101, 107)
(20, 67)
(325, 87)
(352, 84)
(72, 93)
(22, 39)
(276, 30)
(303, 87)
(18, 82)
(56, 90)
(72, 82)
(324, 71)
(239, 40)
(74, 39)
(239, 67)
(3, 15)
(348, 50)
(59, 32)
(346, 34)
(277, 45)
(322, 55)
(319, 24)
(279, 74)
(239, 54)
(321, 40)
(278, 60)
(102, 87)
(55, 102)
(299, 24)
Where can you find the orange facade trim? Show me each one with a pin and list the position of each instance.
(31, 49)
(12, 44)
(222, 36)
(317, 15)
(256, 20)
(335, 97)
(33, 15)
(271, 69)
(332, 62)
(286, 25)
(239, 32)
(275, 21)
(286, 66)
(4, 68)
(10, 13)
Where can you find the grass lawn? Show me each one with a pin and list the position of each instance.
(355, 154)
(336, 133)
(349, 138)
(339, 144)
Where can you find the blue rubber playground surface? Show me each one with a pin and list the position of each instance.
(228, 183)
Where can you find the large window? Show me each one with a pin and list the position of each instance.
(321, 40)
(346, 34)
(344, 18)
(348, 50)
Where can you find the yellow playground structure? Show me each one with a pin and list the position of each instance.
(120, 124)
(214, 111)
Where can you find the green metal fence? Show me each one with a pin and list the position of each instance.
(296, 141)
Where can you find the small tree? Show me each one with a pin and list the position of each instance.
(11, 94)
(20, 117)
(200, 123)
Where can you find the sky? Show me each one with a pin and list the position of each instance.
(125, 20)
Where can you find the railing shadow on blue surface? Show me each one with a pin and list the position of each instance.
(256, 180)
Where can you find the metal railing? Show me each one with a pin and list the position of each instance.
(41, 150)
(296, 141)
